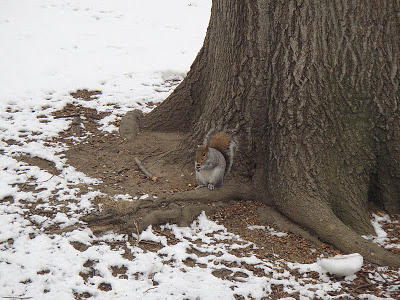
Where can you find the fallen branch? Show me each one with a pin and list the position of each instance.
(144, 170)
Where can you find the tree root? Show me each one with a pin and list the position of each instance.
(183, 208)
(269, 215)
(317, 216)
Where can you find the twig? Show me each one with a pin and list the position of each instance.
(21, 188)
(384, 278)
(47, 179)
(154, 287)
(377, 271)
(137, 229)
(143, 169)
(142, 241)
(148, 242)
(123, 170)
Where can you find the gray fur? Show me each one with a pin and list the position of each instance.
(211, 172)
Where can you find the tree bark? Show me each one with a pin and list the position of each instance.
(310, 90)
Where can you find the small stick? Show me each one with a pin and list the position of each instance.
(384, 278)
(376, 270)
(21, 188)
(138, 233)
(143, 241)
(47, 179)
(154, 287)
(123, 170)
(143, 169)
(148, 242)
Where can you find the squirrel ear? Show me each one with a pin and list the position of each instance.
(198, 145)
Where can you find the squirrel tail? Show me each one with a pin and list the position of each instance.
(225, 144)
(220, 141)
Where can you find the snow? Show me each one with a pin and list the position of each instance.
(381, 238)
(54, 45)
(342, 265)
(267, 229)
(129, 50)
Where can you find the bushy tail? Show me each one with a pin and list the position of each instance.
(226, 144)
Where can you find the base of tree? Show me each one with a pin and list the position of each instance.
(182, 208)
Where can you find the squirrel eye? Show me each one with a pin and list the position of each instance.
(204, 154)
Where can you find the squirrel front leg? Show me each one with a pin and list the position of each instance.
(200, 186)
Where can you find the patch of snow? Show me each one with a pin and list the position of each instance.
(267, 229)
(381, 236)
(342, 265)
(380, 233)
(125, 197)
(148, 235)
(145, 196)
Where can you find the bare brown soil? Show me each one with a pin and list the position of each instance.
(112, 159)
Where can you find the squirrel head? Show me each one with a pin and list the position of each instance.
(201, 154)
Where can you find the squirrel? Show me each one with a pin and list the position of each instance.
(211, 160)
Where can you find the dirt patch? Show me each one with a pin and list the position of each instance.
(85, 94)
(111, 159)
(43, 164)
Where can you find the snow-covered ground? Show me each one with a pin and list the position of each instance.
(126, 49)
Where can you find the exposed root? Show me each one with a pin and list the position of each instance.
(183, 208)
(317, 216)
(271, 216)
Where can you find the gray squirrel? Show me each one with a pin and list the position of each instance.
(211, 160)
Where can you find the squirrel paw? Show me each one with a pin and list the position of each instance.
(210, 186)
(200, 186)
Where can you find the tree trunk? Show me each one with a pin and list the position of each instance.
(310, 89)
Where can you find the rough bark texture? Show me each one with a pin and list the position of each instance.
(310, 89)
